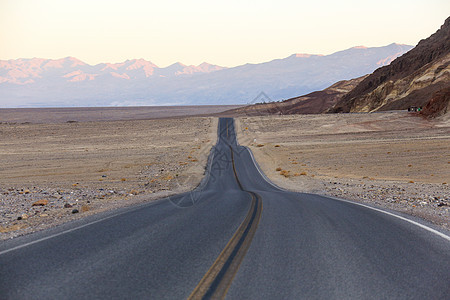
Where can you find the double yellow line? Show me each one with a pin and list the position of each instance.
(218, 279)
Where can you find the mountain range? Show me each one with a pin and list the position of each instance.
(419, 78)
(41, 82)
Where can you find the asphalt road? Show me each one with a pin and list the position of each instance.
(236, 236)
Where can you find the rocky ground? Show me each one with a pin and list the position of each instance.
(394, 159)
(53, 173)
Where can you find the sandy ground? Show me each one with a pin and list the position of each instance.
(393, 159)
(77, 169)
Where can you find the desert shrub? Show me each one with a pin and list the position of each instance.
(285, 173)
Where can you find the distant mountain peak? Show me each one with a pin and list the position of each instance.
(63, 62)
(302, 55)
(177, 64)
(207, 67)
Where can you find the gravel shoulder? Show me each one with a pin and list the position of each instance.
(394, 159)
(53, 173)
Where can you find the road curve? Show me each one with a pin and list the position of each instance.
(237, 236)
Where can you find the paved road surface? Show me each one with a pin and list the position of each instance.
(236, 236)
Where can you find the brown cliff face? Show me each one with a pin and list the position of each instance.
(438, 105)
(409, 80)
(313, 103)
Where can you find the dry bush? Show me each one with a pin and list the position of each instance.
(168, 177)
(278, 169)
(260, 145)
(285, 173)
(276, 146)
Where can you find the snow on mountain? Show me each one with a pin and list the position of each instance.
(71, 82)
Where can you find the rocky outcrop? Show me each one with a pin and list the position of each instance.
(409, 80)
(438, 105)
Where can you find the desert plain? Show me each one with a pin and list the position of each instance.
(56, 169)
(395, 160)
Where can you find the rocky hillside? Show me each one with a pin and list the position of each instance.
(411, 79)
(438, 105)
(313, 103)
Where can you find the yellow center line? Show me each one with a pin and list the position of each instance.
(218, 279)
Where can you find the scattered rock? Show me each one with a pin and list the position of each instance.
(67, 205)
(41, 202)
(75, 211)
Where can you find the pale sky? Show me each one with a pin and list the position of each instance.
(226, 33)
